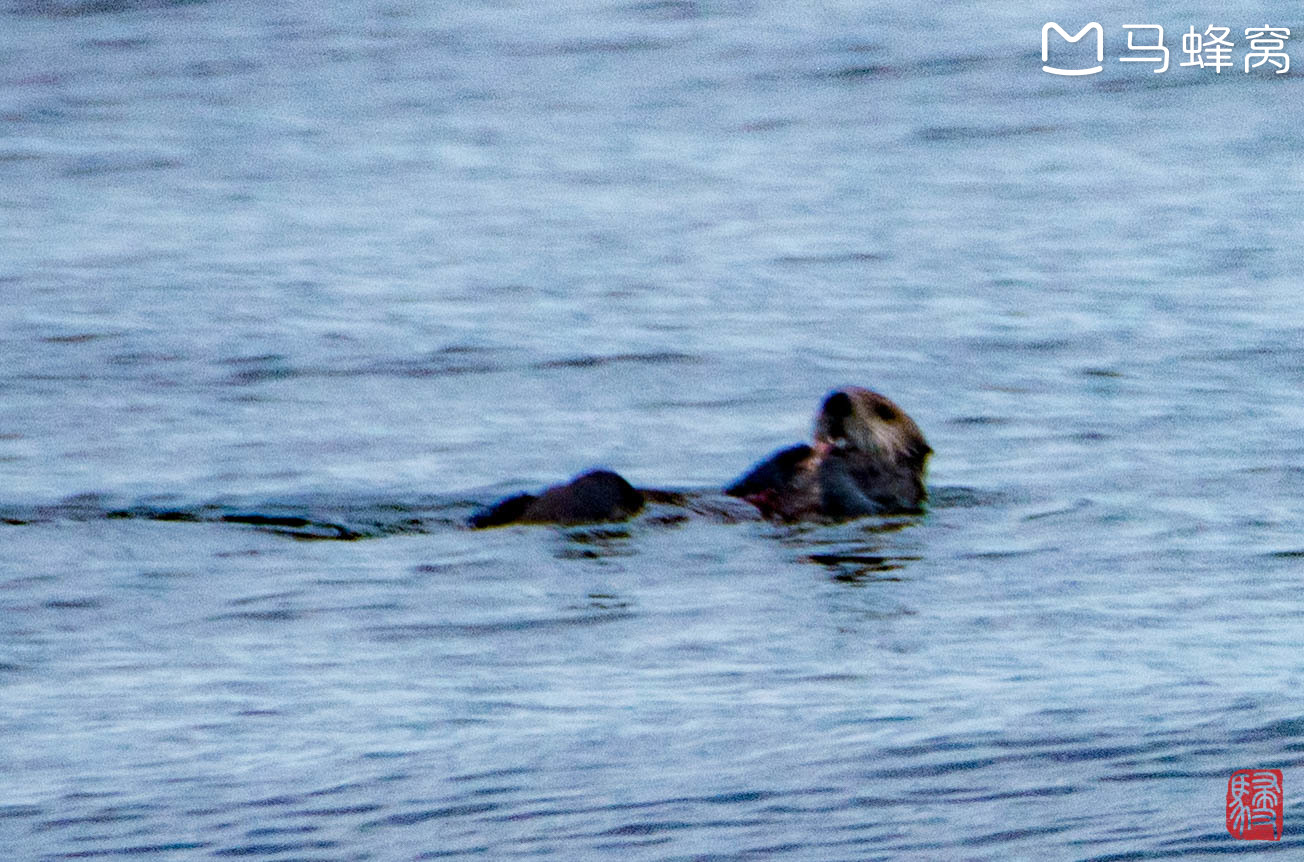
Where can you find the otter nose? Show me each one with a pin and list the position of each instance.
(837, 407)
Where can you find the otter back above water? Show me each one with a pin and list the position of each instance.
(867, 458)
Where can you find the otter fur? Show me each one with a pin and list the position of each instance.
(867, 457)
(593, 497)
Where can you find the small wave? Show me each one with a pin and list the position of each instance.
(332, 518)
(655, 358)
(834, 257)
(945, 134)
(58, 9)
(114, 164)
(442, 631)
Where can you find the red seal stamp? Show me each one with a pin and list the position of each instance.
(1254, 804)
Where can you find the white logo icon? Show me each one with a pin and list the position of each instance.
(1100, 47)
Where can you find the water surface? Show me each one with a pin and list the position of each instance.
(357, 268)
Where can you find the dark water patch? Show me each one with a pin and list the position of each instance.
(598, 552)
(953, 65)
(1013, 835)
(856, 566)
(250, 600)
(591, 543)
(251, 376)
(137, 850)
(601, 603)
(1162, 774)
(157, 515)
(509, 772)
(951, 134)
(12, 157)
(441, 366)
(668, 10)
(963, 421)
(413, 818)
(1074, 508)
(840, 257)
(79, 338)
(1152, 82)
(653, 827)
(118, 44)
(931, 770)
(219, 68)
(74, 604)
(275, 849)
(1005, 555)
(1042, 741)
(296, 527)
(267, 831)
(933, 746)
(279, 615)
(1030, 793)
(609, 46)
(1032, 345)
(653, 359)
(960, 497)
(1288, 728)
(1073, 755)
(90, 166)
(767, 125)
(76, 8)
(98, 818)
(324, 519)
(615, 846)
(480, 850)
(341, 811)
(16, 812)
(273, 801)
(443, 631)
(857, 72)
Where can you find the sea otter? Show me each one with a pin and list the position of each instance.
(867, 458)
(592, 497)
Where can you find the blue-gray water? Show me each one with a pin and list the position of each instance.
(367, 265)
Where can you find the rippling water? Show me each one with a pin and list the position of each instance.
(291, 288)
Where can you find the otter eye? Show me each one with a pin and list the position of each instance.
(838, 405)
(885, 412)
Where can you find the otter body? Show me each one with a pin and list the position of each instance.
(593, 497)
(867, 458)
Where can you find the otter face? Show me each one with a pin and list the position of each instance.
(875, 444)
(858, 420)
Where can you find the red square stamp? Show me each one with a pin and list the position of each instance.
(1255, 801)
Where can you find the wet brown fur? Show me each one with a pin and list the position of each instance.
(868, 458)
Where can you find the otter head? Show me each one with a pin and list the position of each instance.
(874, 444)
